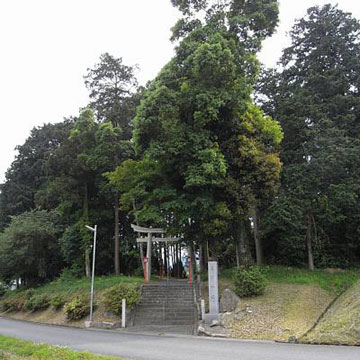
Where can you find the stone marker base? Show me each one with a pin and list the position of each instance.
(103, 324)
(212, 318)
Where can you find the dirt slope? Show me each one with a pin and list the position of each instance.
(341, 323)
(285, 311)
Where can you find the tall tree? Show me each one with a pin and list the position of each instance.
(316, 99)
(111, 85)
(196, 129)
(28, 172)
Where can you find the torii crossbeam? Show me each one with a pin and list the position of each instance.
(149, 239)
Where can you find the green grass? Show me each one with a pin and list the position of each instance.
(11, 348)
(71, 286)
(332, 282)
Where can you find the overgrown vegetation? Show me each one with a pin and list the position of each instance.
(112, 297)
(77, 308)
(11, 348)
(72, 295)
(334, 281)
(249, 281)
(37, 302)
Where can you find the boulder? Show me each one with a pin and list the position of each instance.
(228, 301)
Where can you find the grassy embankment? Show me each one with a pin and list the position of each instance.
(292, 303)
(16, 349)
(68, 288)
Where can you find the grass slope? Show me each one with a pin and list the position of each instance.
(69, 287)
(341, 323)
(14, 349)
(293, 301)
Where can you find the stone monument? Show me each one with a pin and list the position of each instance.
(213, 315)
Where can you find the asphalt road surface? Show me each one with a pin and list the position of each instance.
(171, 347)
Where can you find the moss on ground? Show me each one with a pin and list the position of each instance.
(341, 323)
(283, 312)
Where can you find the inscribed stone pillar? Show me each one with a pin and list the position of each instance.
(213, 314)
(213, 288)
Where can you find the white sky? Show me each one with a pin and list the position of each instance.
(46, 47)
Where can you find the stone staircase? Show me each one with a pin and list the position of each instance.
(166, 307)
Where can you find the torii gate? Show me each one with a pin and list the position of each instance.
(149, 239)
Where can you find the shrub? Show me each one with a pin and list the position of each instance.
(2, 290)
(112, 297)
(57, 302)
(37, 302)
(77, 308)
(29, 293)
(13, 303)
(249, 281)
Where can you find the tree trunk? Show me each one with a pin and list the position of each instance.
(201, 258)
(192, 271)
(141, 244)
(86, 216)
(206, 253)
(242, 244)
(116, 236)
(237, 254)
(258, 245)
(309, 244)
(177, 261)
(142, 256)
(165, 260)
(87, 262)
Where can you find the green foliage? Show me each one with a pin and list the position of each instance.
(57, 301)
(29, 247)
(27, 174)
(11, 348)
(2, 290)
(15, 303)
(206, 153)
(77, 308)
(334, 281)
(249, 281)
(111, 83)
(112, 297)
(37, 302)
(314, 97)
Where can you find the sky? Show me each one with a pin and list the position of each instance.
(46, 47)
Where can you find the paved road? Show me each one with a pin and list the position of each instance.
(129, 345)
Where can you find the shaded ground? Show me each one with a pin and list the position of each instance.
(341, 323)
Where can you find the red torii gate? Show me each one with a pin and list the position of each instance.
(149, 239)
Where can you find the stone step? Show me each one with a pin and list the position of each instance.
(168, 301)
(145, 310)
(166, 322)
(165, 304)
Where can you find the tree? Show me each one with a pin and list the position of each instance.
(316, 99)
(28, 172)
(111, 85)
(29, 248)
(196, 130)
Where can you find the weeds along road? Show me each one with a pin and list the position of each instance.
(170, 347)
